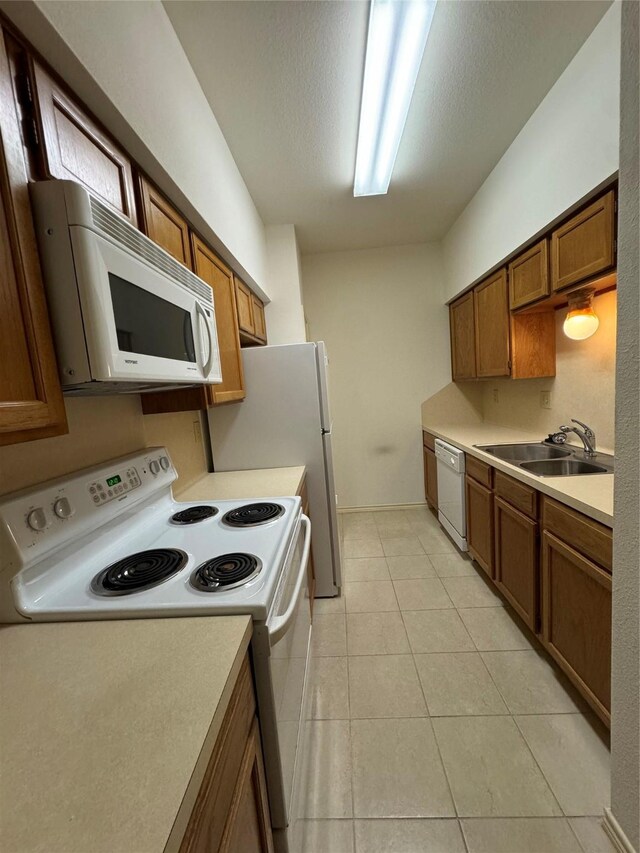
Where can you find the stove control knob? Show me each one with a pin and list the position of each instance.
(164, 463)
(37, 520)
(154, 467)
(63, 508)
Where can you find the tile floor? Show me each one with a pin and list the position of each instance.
(438, 725)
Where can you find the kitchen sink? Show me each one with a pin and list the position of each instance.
(546, 460)
(563, 467)
(525, 452)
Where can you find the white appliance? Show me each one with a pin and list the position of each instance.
(285, 420)
(110, 542)
(451, 496)
(126, 316)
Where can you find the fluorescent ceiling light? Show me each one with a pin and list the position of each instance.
(397, 36)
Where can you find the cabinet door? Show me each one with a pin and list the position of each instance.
(430, 478)
(31, 404)
(258, 319)
(163, 224)
(491, 309)
(463, 337)
(211, 269)
(576, 620)
(584, 246)
(516, 569)
(480, 524)
(529, 276)
(75, 148)
(244, 299)
(248, 827)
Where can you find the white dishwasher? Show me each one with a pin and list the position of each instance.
(451, 496)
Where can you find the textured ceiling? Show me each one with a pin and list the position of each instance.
(284, 81)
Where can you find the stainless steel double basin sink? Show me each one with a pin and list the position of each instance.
(547, 460)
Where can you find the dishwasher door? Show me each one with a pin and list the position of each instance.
(451, 494)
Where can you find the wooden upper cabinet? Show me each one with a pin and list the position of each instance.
(584, 245)
(529, 276)
(31, 404)
(163, 224)
(211, 269)
(492, 324)
(463, 337)
(74, 147)
(258, 319)
(244, 299)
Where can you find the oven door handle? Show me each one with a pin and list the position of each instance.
(280, 624)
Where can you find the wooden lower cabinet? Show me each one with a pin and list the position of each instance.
(248, 828)
(231, 811)
(516, 560)
(430, 477)
(480, 524)
(576, 620)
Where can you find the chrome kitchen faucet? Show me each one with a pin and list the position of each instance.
(586, 435)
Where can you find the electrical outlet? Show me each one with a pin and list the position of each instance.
(496, 395)
(545, 399)
(197, 432)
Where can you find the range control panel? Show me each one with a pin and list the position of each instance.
(111, 487)
(43, 518)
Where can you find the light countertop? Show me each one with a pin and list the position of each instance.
(106, 729)
(257, 483)
(590, 494)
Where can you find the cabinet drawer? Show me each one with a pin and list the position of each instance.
(519, 495)
(209, 816)
(587, 536)
(480, 471)
(428, 440)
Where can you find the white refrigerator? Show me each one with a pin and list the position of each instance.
(283, 421)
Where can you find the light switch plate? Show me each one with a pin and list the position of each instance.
(545, 399)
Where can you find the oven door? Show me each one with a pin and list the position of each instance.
(139, 324)
(281, 660)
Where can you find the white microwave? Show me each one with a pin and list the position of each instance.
(126, 316)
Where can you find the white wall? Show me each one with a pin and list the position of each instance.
(625, 718)
(285, 312)
(125, 61)
(382, 316)
(568, 147)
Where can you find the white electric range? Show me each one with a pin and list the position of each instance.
(110, 542)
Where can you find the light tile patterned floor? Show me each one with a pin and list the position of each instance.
(439, 724)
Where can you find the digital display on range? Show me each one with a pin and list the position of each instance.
(113, 481)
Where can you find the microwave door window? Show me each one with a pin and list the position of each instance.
(149, 325)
